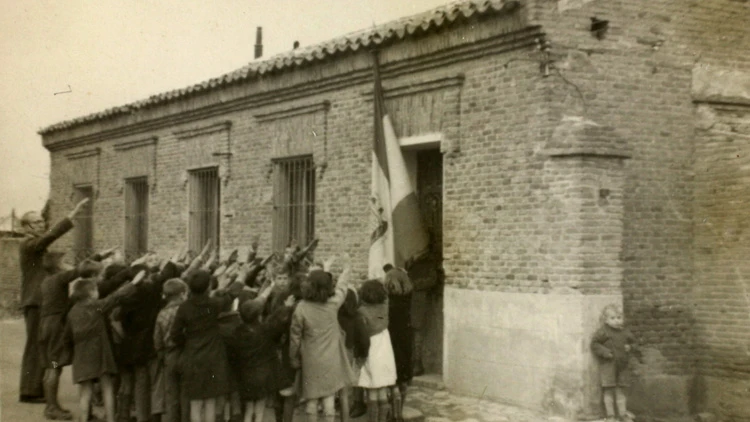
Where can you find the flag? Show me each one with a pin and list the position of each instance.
(398, 234)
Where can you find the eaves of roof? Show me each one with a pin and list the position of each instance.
(390, 32)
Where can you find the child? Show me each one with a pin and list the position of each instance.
(612, 344)
(138, 316)
(317, 345)
(86, 330)
(253, 354)
(166, 383)
(283, 300)
(55, 306)
(229, 320)
(203, 360)
(379, 371)
(357, 343)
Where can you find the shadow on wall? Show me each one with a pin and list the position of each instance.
(661, 387)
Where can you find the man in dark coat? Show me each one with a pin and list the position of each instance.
(32, 252)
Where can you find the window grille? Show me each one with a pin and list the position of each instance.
(294, 202)
(204, 208)
(83, 234)
(136, 217)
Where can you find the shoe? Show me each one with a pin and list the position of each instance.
(628, 417)
(58, 414)
(358, 409)
(32, 399)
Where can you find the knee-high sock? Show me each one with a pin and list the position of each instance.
(373, 410)
(609, 402)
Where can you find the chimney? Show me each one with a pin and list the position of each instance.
(259, 42)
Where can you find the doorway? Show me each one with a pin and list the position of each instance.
(428, 305)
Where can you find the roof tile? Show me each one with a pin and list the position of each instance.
(391, 31)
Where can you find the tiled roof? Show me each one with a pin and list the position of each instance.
(389, 32)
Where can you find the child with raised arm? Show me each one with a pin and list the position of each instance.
(54, 310)
(166, 382)
(138, 316)
(379, 370)
(316, 343)
(86, 330)
(613, 344)
(252, 349)
(203, 361)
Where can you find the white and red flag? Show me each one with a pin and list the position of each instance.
(398, 235)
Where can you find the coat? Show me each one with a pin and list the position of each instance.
(138, 317)
(317, 346)
(31, 256)
(203, 359)
(86, 330)
(253, 354)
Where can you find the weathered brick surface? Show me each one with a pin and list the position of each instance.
(10, 276)
(638, 80)
(515, 218)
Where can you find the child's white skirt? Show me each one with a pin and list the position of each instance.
(380, 368)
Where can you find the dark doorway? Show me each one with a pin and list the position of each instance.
(430, 302)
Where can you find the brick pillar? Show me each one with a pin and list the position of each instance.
(585, 176)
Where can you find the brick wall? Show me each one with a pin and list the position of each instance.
(722, 294)
(10, 276)
(638, 80)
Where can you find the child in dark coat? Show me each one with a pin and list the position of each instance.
(54, 310)
(137, 355)
(229, 320)
(203, 360)
(86, 330)
(613, 344)
(253, 353)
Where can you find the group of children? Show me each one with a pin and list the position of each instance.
(190, 338)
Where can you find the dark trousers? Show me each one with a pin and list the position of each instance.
(32, 367)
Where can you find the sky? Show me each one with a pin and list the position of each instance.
(112, 52)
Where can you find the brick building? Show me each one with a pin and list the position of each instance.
(562, 163)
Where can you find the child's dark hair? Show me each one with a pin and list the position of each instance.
(251, 310)
(199, 282)
(83, 289)
(112, 270)
(373, 292)
(295, 284)
(89, 268)
(173, 288)
(318, 287)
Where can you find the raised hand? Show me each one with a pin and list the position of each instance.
(233, 257)
(139, 277)
(101, 256)
(309, 248)
(267, 260)
(328, 263)
(177, 257)
(140, 260)
(206, 250)
(78, 208)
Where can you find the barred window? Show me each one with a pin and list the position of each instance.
(203, 208)
(83, 233)
(294, 202)
(136, 217)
